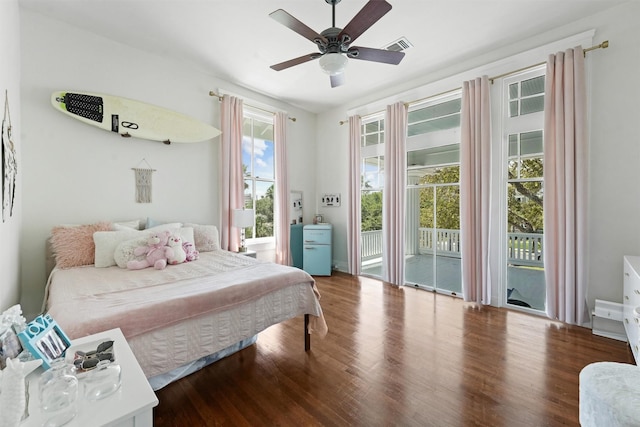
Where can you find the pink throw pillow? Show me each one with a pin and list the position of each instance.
(73, 246)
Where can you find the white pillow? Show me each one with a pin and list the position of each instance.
(206, 237)
(106, 242)
(124, 251)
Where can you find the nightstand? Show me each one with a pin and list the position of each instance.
(249, 252)
(132, 404)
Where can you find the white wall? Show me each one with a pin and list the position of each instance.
(10, 82)
(76, 173)
(615, 142)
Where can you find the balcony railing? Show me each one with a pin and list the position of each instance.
(522, 248)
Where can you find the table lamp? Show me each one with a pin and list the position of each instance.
(242, 218)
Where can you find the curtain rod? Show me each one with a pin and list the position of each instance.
(212, 93)
(603, 45)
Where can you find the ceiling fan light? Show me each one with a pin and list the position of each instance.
(333, 63)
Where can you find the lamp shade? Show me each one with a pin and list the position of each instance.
(333, 63)
(243, 218)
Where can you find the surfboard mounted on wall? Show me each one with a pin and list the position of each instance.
(128, 117)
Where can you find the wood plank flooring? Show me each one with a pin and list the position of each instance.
(396, 356)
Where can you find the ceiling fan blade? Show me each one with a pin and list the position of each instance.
(376, 55)
(291, 22)
(337, 80)
(368, 15)
(296, 61)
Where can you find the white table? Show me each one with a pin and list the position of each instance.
(131, 405)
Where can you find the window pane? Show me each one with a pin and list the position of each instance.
(434, 156)
(247, 149)
(531, 143)
(513, 91)
(532, 86)
(373, 172)
(532, 168)
(445, 115)
(264, 209)
(246, 127)
(372, 127)
(435, 111)
(248, 203)
(513, 145)
(426, 208)
(513, 108)
(443, 123)
(264, 166)
(448, 207)
(263, 130)
(532, 105)
(371, 139)
(525, 204)
(371, 210)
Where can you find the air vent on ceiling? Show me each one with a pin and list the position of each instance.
(399, 45)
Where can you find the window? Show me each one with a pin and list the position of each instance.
(371, 186)
(524, 140)
(432, 215)
(259, 172)
(373, 131)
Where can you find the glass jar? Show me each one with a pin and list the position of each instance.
(58, 388)
(102, 381)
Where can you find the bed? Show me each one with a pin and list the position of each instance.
(183, 317)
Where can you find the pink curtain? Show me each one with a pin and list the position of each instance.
(565, 187)
(393, 196)
(475, 176)
(353, 224)
(282, 230)
(231, 118)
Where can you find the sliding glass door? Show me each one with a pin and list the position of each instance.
(433, 223)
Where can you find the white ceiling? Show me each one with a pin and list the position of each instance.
(237, 41)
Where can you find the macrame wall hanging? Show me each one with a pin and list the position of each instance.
(9, 163)
(143, 182)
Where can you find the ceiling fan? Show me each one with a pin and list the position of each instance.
(334, 44)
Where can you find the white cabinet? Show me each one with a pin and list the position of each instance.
(631, 302)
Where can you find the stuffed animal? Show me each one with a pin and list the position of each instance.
(191, 251)
(12, 390)
(179, 255)
(156, 252)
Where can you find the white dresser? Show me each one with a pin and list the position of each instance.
(631, 301)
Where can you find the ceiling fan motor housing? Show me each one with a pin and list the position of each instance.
(333, 44)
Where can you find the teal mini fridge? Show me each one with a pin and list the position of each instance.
(296, 245)
(316, 252)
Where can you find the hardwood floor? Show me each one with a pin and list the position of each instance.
(396, 356)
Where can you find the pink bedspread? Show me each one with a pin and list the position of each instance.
(86, 300)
